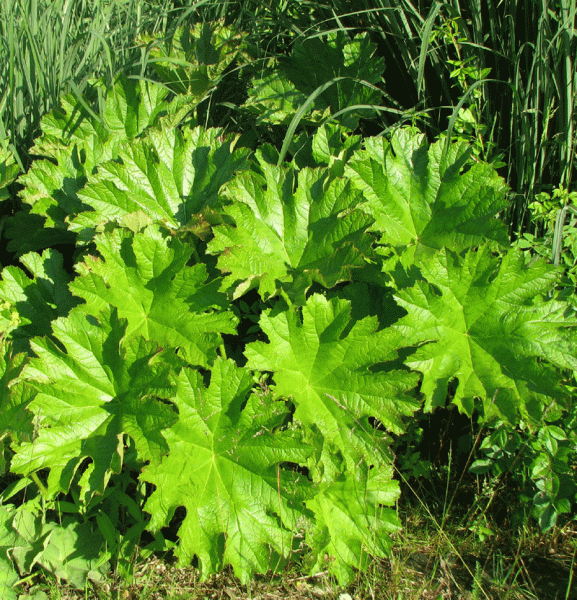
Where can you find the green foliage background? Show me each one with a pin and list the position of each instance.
(227, 297)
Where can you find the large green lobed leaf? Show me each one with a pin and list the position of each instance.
(170, 175)
(327, 368)
(289, 231)
(77, 137)
(91, 394)
(147, 280)
(226, 468)
(352, 523)
(485, 321)
(422, 203)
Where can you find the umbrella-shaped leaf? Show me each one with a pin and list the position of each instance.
(287, 237)
(164, 300)
(94, 387)
(77, 137)
(225, 468)
(421, 203)
(485, 321)
(169, 174)
(327, 367)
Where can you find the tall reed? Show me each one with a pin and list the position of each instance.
(51, 47)
(523, 109)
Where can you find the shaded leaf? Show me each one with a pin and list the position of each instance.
(275, 99)
(8, 171)
(15, 420)
(8, 538)
(28, 306)
(73, 552)
(314, 62)
(192, 60)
